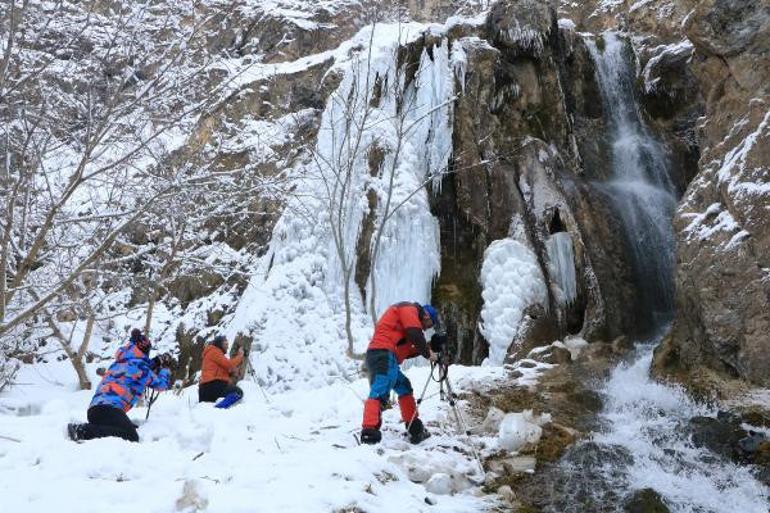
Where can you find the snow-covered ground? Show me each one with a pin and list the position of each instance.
(292, 452)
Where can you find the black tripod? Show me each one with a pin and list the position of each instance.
(446, 393)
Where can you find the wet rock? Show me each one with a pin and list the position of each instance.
(554, 442)
(763, 475)
(553, 354)
(521, 26)
(555, 487)
(720, 435)
(589, 400)
(506, 493)
(519, 464)
(645, 501)
(622, 345)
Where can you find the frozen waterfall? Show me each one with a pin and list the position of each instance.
(561, 266)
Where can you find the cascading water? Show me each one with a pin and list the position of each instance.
(649, 421)
(644, 443)
(640, 189)
(643, 437)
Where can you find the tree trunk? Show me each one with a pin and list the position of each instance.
(150, 310)
(77, 362)
(348, 330)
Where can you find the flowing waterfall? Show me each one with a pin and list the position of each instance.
(640, 189)
(643, 440)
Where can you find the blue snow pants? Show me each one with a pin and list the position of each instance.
(385, 375)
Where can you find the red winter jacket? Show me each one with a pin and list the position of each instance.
(399, 330)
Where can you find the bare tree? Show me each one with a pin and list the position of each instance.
(78, 169)
(369, 120)
(91, 112)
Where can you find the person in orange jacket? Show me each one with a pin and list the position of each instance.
(398, 335)
(215, 374)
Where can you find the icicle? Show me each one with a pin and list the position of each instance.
(561, 266)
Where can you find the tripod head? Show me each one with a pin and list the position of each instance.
(439, 344)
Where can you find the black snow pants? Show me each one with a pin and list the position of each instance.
(213, 390)
(105, 421)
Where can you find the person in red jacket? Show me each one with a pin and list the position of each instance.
(398, 335)
(215, 374)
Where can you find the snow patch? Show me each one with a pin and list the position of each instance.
(676, 50)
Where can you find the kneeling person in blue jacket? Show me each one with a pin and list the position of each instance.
(120, 389)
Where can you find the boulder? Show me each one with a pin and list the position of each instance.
(646, 500)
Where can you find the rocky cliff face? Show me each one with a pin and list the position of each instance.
(706, 81)
(529, 146)
(723, 277)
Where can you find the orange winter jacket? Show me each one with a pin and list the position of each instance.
(216, 366)
(399, 330)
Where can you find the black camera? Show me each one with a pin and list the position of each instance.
(161, 361)
(439, 343)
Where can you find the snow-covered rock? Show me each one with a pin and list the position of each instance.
(518, 430)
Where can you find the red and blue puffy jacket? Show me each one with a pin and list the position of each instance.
(125, 380)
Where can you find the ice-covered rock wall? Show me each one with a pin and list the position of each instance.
(385, 132)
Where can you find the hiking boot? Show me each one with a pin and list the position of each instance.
(229, 400)
(73, 432)
(370, 436)
(417, 432)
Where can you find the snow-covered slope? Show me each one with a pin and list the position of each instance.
(292, 451)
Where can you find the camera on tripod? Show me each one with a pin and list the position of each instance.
(439, 344)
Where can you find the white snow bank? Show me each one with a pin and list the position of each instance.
(511, 281)
(294, 453)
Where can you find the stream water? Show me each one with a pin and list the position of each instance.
(648, 423)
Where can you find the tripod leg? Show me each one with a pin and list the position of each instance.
(419, 400)
(461, 424)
